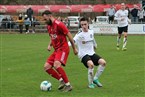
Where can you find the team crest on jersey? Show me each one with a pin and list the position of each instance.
(53, 36)
(83, 42)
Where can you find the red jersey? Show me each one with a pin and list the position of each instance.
(57, 32)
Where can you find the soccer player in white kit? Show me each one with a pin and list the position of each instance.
(86, 44)
(122, 18)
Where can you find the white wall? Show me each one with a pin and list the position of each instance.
(112, 28)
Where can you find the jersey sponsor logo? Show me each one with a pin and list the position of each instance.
(53, 36)
(84, 42)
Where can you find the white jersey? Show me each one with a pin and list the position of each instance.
(122, 14)
(85, 42)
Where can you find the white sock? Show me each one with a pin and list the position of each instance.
(118, 40)
(90, 75)
(124, 42)
(99, 71)
(67, 84)
(60, 79)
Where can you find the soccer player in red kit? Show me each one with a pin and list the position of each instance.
(58, 33)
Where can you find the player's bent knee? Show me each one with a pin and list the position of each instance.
(90, 64)
(57, 64)
(125, 36)
(102, 62)
(47, 66)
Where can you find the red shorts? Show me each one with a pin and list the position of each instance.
(59, 55)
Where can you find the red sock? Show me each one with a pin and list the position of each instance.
(61, 71)
(53, 73)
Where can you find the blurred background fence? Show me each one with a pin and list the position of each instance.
(64, 2)
(8, 21)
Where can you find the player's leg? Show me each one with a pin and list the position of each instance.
(125, 38)
(97, 60)
(48, 68)
(86, 60)
(60, 59)
(119, 37)
(90, 73)
(67, 87)
(124, 41)
(118, 41)
(100, 70)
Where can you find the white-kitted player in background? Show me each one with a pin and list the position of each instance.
(122, 18)
(86, 44)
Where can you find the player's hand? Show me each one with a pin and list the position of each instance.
(49, 48)
(129, 21)
(95, 48)
(75, 51)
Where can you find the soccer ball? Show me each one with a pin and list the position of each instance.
(45, 86)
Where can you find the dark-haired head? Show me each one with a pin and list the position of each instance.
(46, 12)
(47, 15)
(84, 23)
(84, 19)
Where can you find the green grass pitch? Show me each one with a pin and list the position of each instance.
(22, 58)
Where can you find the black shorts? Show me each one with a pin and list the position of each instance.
(95, 58)
(122, 29)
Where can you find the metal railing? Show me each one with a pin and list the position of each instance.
(13, 26)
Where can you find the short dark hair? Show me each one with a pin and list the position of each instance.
(46, 12)
(84, 19)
